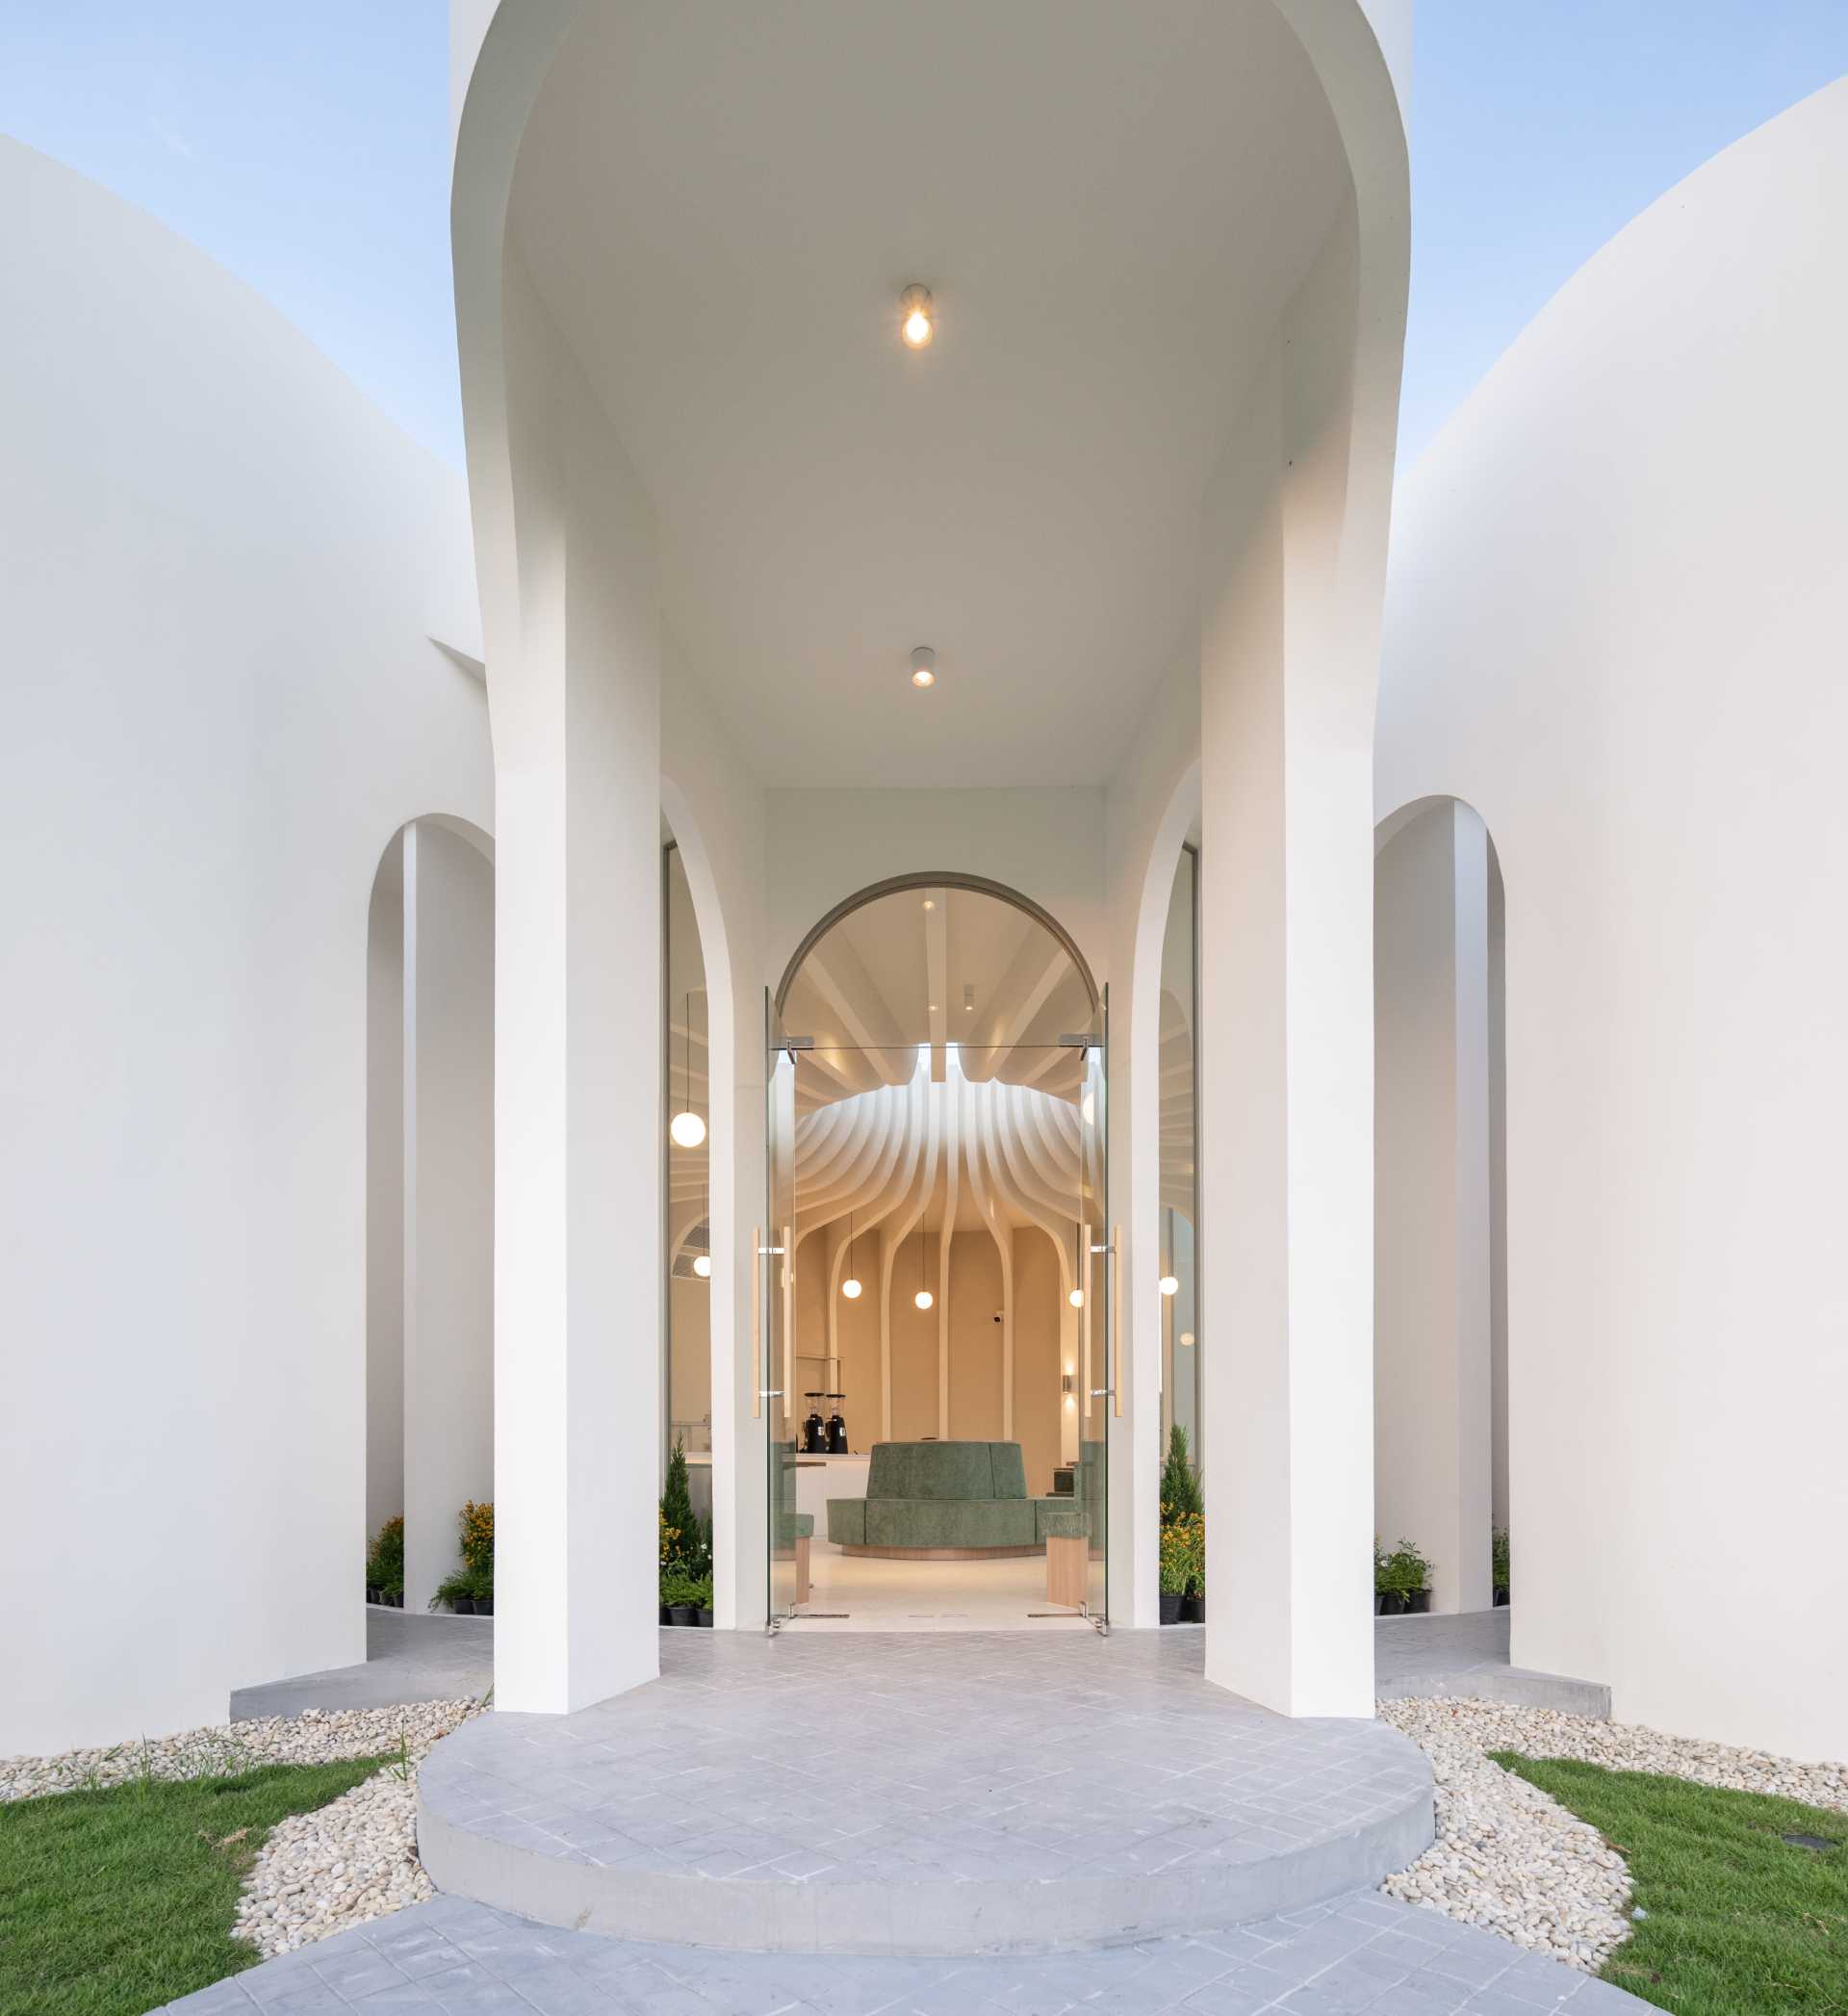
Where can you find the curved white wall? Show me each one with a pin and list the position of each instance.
(222, 573)
(1617, 600)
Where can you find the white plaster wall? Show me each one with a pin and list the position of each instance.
(448, 1135)
(220, 571)
(385, 1192)
(1618, 598)
(1432, 1402)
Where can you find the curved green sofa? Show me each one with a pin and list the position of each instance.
(948, 1497)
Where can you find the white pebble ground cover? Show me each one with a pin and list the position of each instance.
(1512, 1860)
(319, 1872)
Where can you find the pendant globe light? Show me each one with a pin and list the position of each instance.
(923, 1298)
(850, 1287)
(686, 1128)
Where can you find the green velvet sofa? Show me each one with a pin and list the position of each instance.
(947, 1498)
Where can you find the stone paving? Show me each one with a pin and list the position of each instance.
(965, 1793)
(410, 1656)
(1468, 1656)
(1356, 1954)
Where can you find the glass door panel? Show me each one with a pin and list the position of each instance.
(777, 1328)
(948, 1278)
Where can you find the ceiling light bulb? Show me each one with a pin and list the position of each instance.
(1076, 1297)
(688, 1129)
(924, 1298)
(924, 674)
(1187, 1337)
(1168, 1285)
(703, 1266)
(850, 1288)
(917, 323)
(930, 902)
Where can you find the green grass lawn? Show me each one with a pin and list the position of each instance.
(114, 1902)
(1737, 1921)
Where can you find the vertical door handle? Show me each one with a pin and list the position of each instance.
(756, 1322)
(788, 1315)
(1116, 1320)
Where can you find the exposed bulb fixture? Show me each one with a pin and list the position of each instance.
(924, 1298)
(686, 1127)
(924, 674)
(1076, 1297)
(1168, 1285)
(850, 1287)
(703, 1266)
(930, 902)
(918, 318)
(1187, 1337)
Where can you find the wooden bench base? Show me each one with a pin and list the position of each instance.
(1068, 1570)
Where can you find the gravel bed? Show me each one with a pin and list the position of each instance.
(317, 1872)
(321, 1736)
(1512, 1860)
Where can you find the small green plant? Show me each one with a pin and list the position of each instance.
(702, 1591)
(1405, 1570)
(1181, 1495)
(1176, 1559)
(686, 1543)
(1499, 1558)
(385, 1557)
(459, 1584)
(1380, 1583)
(679, 1589)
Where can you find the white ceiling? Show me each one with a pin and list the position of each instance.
(721, 200)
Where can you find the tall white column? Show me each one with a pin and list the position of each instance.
(448, 1197)
(1287, 677)
(1431, 1385)
(574, 692)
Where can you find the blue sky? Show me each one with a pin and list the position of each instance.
(307, 148)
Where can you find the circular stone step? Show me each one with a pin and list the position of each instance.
(928, 1793)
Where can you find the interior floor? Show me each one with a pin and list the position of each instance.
(856, 1592)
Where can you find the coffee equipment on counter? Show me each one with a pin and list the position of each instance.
(836, 1427)
(815, 1436)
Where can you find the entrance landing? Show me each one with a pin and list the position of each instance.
(939, 1794)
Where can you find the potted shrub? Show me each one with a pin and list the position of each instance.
(1498, 1565)
(476, 1523)
(705, 1586)
(1408, 1576)
(457, 1592)
(1387, 1600)
(1175, 1565)
(1194, 1603)
(385, 1561)
(681, 1593)
(1181, 1494)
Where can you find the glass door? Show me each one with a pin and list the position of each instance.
(777, 1328)
(1100, 1397)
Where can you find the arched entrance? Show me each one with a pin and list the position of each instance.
(937, 1319)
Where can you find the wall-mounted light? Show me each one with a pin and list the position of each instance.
(703, 1266)
(916, 317)
(1187, 1337)
(924, 674)
(923, 1298)
(1076, 1297)
(1066, 1383)
(1168, 1285)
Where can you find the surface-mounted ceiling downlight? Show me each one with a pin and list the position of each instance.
(923, 1298)
(687, 1128)
(703, 1266)
(916, 317)
(924, 673)
(850, 1288)
(1168, 1285)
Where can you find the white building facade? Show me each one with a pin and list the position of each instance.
(345, 1052)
